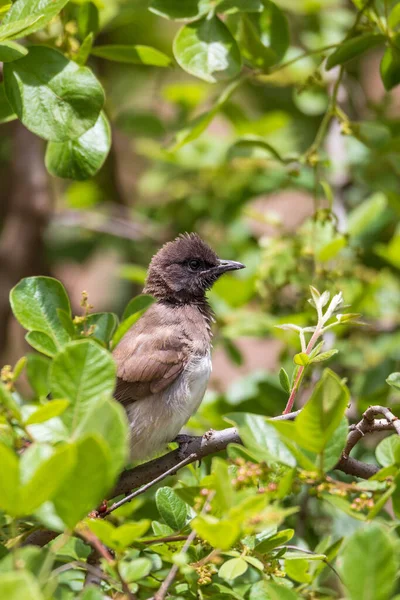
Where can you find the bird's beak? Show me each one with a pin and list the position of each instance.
(228, 265)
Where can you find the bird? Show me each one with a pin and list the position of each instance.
(164, 360)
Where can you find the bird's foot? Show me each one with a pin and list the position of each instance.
(183, 441)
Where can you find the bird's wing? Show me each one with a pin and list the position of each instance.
(148, 362)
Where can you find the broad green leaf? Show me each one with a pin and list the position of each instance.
(51, 409)
(261, 438)
(271, 591)
(136, 55)
(6, 112)
(172, 509)
(388, 451)
(178, 10)
(252, 48)
(220, 534)
(297, 570)
(134, 570)
(394, 380)
(53, 96)
(390, 67)
(87, 483)
(335, 446)
(207, 49)
(366, 215)
(42, 476)
(42, 343)
(279, 35)
(322, 414)
(118, 538)
(224, 495)
(353, 47)
(18, 28)
(368, 564)
(160, 529)
(106, 417)
(10, 51)
(234, 6)
(67, 322)
(233, 568)
(82, 157)
(278, 539)
(8, 402)
(19, 585)
(9, 480)
(91, 593)
(104, 325)
(82, 372)
(138, 303)
(43, 11)
(34, 302)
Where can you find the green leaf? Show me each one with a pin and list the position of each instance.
(235, 6)
(53, 96)
(88, 19)
(134, 570)
(87, 483)
(394, 380)
(233, 568)
(353, 47)
(324, 356)
(172, 509)
(66, 322)
(331, 249)
(34, 302)
(220, 534)
(252, 48)
(278, 539)
(261, 438)
(82, 157)
(118, 538)
(37, 370)
(41, 475)
(82, 372)
(6, 112)
(104, 324)
(7, 400)
(138, 303)
(43, 11)
(363, 219)
(51, 409)
(335, 446)
(9, 480)
(368, 564)
(246, 146)
(135, 55)
(106, 417)
(84, 50)
(390, 67)
(388, 451)
(297, 570)
(278, 30)
(17, 28)
(273, 591)
(42, 343)
(178, 10)
(18, 585)
(10, 51)
(322, 414)
(302, 359)
(206, 49)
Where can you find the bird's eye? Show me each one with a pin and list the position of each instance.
(194, 265)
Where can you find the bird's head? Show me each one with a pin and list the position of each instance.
(184, 269)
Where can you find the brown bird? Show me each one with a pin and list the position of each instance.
(163, 361)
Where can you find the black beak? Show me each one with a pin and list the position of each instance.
(228, 265)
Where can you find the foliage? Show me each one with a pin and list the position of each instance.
(219, 104)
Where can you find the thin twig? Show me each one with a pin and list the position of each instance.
(130, 497)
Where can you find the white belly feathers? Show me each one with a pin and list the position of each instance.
(157, 420)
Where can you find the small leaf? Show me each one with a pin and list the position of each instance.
(134, 570)
(220, 534)
(6, 112)
(53, 96)
(233, 568)
(10, 51)
(297, 569)
(394, 380)
(139, 303)
(284, 380)
(207, 49)
(37, 370)
(135, 55)
(353, 47)
(82, 157)
(388, 451)
(52, 409)
(278, 539)
(104, 325)
(324, 356)
(84, 50)
(42, 343)
(390, 67)
(36, 13)
(253, 50)
(9, 480)
(172, 509)
(301, 359)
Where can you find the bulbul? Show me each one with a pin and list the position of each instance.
(163, 361)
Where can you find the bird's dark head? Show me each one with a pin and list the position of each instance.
(183, 270)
